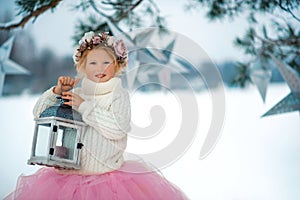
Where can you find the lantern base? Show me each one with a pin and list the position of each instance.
(52, 163)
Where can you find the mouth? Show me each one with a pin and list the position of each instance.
(100, 75)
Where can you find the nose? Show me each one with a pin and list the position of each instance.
(103, 67)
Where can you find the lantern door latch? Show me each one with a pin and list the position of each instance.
(51, 151)
(79, 145)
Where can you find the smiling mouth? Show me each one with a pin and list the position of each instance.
(100, 75)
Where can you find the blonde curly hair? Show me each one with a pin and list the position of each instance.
(112, 45)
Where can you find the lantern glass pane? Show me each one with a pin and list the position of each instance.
(43, 135)
(65, 143)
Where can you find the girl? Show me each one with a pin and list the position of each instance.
(105, 108)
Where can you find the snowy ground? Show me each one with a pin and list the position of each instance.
(255, 158)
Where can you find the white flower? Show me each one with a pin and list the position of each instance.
(111, 40)
(87, 36)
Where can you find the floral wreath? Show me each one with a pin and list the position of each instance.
(91, 40)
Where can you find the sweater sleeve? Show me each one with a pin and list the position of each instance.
(112, 123)
(47, 99)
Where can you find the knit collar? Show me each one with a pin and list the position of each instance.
(92, 88)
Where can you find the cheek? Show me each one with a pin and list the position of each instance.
(88, 69)
(111, 70)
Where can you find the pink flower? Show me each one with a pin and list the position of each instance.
(96, 40)
(120, 48)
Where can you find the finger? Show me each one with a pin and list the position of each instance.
(68, 93)
(67, 97)
(69, 103)
(76, 82)
(60, 80)
(70, 81)
(60, 83)
(66, 80)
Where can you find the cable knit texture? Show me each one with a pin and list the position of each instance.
(106, 111)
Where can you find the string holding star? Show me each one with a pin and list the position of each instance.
(8, 66)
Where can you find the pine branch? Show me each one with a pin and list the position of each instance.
(36, 13)
(287, 9)
(295, 41)
(124, 14)
(92, 3)
(129, 10)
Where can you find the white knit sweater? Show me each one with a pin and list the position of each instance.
(106, 111)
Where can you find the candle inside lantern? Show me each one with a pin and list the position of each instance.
(61, 152)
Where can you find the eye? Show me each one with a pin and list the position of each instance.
(106, 62)
(92, 63)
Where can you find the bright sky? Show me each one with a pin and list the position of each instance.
(55, 29)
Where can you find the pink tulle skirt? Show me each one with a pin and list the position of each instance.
(47, 184)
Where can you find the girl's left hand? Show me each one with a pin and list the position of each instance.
(74, 99)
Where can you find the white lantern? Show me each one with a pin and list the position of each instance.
(57, 138)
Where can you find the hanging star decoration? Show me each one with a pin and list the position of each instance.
(156, 59)
(158, 54)
(134, 54)
(291, 102)
(8, 66)
(260, 75)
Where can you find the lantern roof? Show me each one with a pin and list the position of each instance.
(62, 111)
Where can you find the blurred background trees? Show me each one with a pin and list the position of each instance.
(278, 33)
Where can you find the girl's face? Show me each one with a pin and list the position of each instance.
(99, 66)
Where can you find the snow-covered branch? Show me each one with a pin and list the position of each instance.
(33, 14)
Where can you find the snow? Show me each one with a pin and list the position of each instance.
(255, 158)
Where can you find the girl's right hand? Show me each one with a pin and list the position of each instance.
(64, 84)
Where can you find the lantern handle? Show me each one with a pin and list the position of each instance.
(62, 101)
